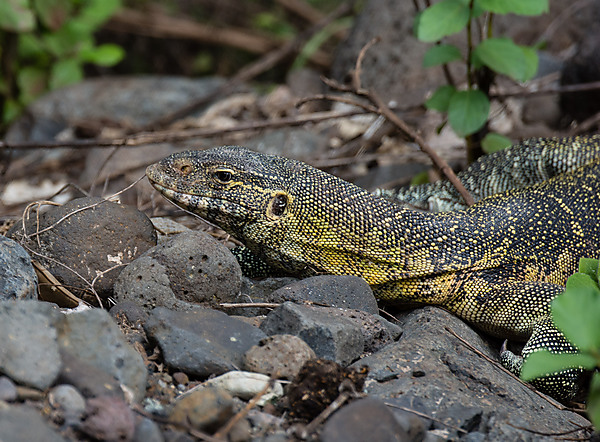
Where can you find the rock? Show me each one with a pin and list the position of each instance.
(17, 276)
(69, 402)
(205, 409)
(108, 418)
(429, 370)
(245, 385)
(94, 337)
(342, 291)
(201, 342)
(30, 352)
(91, 241)
(331, 337)
(280, 356)
(8, 390)
(24, 424)
(258, 290)
(190, 270)
(147, 431)
(137, 100)
(90, 380)
(370, 419)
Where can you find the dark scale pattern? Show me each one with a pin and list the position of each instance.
(531, 162)
(497, 264)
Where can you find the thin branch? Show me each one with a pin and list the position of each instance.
(418, 413)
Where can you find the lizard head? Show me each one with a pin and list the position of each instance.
(247, 194)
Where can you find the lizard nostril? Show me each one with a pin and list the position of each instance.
(185, 169)
(277, 205)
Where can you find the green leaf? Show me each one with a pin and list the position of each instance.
(576, 314)
(589, 266)
(542, 363)
(32, 83)
(580, 280)
(16, 16)
(420, 178)
(12, 109)
(68, 40)
(440, 100)
(593, 401)
(96, 12)
(521, 7)
(493, 142)
(65, 72)
(103, 55)
(505, 57)
(441, 54)
(53, 13)
(468, 111)
(441, 19)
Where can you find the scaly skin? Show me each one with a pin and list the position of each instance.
(497, 264)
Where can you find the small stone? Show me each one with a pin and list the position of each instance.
(17, 275)
(69, 401)
(203, 342)
(30, 352)
(368, 419)
(189, 271)
(94, 337)
(330, 336)
(22, 423)
(281, 356)
(147, 431)
(181, 378)
(343, 291)
(95, 242)
(245, 385)
(8, 390)
(205, 409)
(108, 418)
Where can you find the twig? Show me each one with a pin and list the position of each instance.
(263, 64)
(356, 81)
(249, 304)
(173, 136)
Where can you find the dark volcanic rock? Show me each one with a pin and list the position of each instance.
(342, 291)
(201, 342)
(92, 240)
(17, 276)
(431, 371)
(331, 337)
(190, 270)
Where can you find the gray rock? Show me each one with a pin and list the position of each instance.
(201, 342)
(191, 269)
(24, 424)
(281, 356)
(115, 98)
(29, 353)
(91, 241)
(90, 380)
(8, 389)
(147, 430)
(17, 276)
(342, 291)
(69, 402)
(370, 419)
(429, 370)
(335, 338)
(93, 336)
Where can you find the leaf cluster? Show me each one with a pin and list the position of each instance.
(468, 110)
(576, 314)
(44, 45)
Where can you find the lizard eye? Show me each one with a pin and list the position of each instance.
(223, 176)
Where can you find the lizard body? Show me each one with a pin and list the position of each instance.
(497, 264)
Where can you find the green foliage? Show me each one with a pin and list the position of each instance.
(495, 142)
(468, 111)
(576, 314)
(44, 45)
